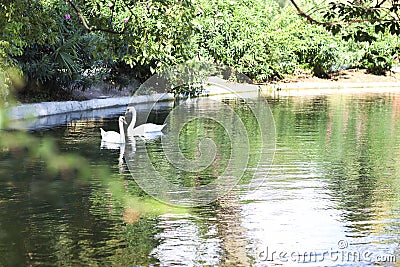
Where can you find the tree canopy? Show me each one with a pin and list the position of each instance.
(73, 44)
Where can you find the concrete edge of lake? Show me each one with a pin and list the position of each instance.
(316, 88)
(330, 85)
(216, 88)
(42, 109)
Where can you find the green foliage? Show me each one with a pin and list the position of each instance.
(323, 59)
(379, 57)
(157, 35)
(361, 21)
(47, 48)
(233, 33)
(10, 77)
(58, 49)
(304, 46)
(23, 23)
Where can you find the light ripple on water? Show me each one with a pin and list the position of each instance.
(335, 178)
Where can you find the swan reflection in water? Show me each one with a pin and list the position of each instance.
(149, 136)
(128, 147)
(115, 140)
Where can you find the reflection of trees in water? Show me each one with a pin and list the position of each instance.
(54, 216)
(356, 141)
(211, 235)
(47, 221)
(349, 142)
(364, 155)
(228, 243)
(231, 232)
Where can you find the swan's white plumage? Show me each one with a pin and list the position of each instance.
(112, 136)
(142, 129)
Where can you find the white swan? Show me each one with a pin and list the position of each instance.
(114, 137)
(142, 129)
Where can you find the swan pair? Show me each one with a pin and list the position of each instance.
(141, 130)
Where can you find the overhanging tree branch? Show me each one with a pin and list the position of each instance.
(92, 29)
(378, 6)
(304, 15)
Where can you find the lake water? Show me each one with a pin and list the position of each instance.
(330, 198)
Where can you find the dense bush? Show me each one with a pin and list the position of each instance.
(302, 46)
(380, 56)
(48, 41)
(51, 50)
(234, 33)
(265, 41)
(126, 40)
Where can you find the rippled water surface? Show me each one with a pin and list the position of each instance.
(330, 198)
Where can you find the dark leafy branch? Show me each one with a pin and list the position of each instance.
(93, 29)
(382, 15)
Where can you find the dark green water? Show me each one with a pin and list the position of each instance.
(331, 197)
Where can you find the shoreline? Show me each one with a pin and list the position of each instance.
(313, 88)
(330, 85)
(43, 109)
(216, 88)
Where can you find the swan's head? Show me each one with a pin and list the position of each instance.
(130, 110)
(122, 119)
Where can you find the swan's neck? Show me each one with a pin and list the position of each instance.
(121, 132)
(133, 122)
